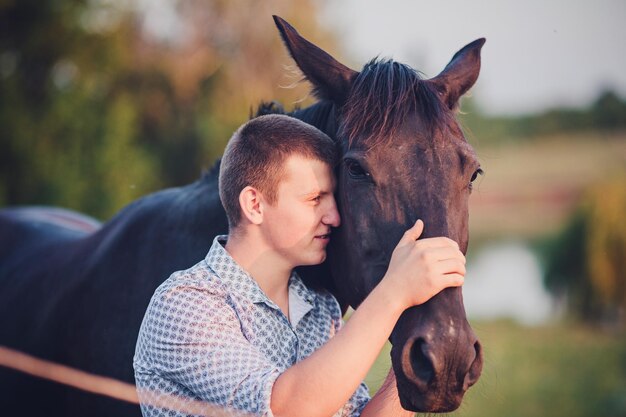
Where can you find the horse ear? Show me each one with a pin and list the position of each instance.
(331, 79)
(460, 74)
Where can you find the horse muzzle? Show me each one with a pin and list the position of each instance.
(435, 360)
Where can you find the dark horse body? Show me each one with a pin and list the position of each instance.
(75, 292)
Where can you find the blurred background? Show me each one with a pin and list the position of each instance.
(103, 101)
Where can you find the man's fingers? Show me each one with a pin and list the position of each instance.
(413, 233)
(451, 266)
(454, 280)
(437, 242)
(440, 253)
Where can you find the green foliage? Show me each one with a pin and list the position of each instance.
(586, 262)
(607, 113)
(95, 111)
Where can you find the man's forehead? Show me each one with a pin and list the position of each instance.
(311, 174)
(296, 163)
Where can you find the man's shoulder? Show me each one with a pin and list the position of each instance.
(191, 298)
(199, 277)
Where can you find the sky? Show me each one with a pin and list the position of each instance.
(539, 54)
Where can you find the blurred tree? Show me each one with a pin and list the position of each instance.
(587, 261)
(103, 101)
(606, 113)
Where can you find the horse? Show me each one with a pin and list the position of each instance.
(74, 291)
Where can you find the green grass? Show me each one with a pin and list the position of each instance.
(561, 370)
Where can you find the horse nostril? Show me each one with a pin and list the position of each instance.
(422, 366)
(417, 363)
(475, 368)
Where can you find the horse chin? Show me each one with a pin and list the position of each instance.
(426, 402)
(429, 407)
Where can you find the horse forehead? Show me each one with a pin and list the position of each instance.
(421, 149)
(416, 141)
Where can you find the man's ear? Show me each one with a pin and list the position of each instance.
(250, 205)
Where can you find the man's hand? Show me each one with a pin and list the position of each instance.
(419, 269)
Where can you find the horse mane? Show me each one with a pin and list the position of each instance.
(320, 114)
(210, 174)
(268, 107)
(383, 94)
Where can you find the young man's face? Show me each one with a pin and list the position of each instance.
(297, 226)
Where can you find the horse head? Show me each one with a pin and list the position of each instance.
(404, 157)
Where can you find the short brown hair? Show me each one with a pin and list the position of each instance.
(256, 153)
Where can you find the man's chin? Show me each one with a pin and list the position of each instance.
(315, 260)
(322, 258)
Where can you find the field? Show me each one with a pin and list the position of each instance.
(553, 371)
(530, 187)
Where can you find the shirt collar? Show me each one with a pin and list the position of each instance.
(240, 282)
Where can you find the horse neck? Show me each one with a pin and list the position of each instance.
(180, 222)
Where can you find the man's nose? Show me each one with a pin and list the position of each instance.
(331, 217)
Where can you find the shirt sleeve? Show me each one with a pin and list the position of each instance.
(357, 402)
(193, 341)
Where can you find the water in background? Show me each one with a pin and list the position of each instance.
(504, 280)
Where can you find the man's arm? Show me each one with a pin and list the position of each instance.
(320, 384)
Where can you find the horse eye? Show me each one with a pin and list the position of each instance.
(355, 170)
(474, 176)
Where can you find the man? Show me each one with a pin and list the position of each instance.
(240, 329)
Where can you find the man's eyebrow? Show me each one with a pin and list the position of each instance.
(316, 193)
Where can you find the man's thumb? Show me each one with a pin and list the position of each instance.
(414, 232)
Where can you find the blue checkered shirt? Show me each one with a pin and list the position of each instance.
(211, 334)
